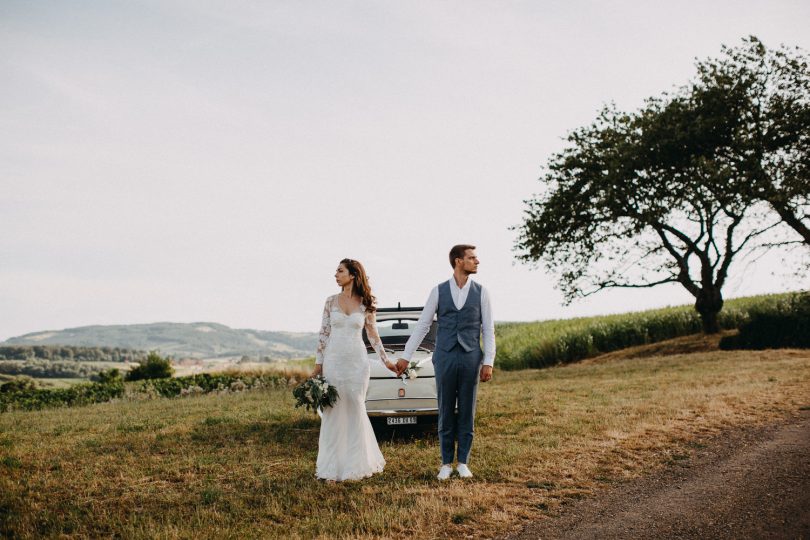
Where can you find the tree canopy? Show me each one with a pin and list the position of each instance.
(663, 194)
(755, 102)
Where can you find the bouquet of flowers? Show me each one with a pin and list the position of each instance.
(410, 371)
(315, 393)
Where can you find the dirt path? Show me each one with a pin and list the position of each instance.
(752, 483)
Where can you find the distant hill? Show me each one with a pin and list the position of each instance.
(180, 340)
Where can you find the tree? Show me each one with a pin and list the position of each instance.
(647, 198)
(756, 102)
(108, 376)
(154, 367)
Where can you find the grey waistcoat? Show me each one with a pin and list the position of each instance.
(462, 326)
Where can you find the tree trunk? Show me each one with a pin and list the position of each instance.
(709, 303)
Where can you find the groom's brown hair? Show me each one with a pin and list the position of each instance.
(457, 252)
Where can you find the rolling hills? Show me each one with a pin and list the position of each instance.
(180, 340)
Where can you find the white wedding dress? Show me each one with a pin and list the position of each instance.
(347, 447)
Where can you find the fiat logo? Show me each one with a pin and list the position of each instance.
(401, 392)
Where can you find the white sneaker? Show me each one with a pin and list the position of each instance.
(463, 470)
(444, 472)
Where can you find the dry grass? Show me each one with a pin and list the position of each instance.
(694, 343)
(242, 465)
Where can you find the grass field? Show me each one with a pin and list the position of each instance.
(236, 465)
(60, 383)
(214, 365)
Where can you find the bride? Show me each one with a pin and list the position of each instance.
(347, 447)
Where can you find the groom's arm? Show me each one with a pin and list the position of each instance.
(421, 330)
(488, 332)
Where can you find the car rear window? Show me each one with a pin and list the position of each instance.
(394, 333)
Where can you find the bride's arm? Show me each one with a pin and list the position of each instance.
(376, 342)
(323, 336)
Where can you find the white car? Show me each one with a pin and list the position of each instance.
(390, 400)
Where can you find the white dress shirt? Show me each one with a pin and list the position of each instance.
(459, 298)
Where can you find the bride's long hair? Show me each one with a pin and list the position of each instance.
(361, 286)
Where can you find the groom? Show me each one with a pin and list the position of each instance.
(464, 313)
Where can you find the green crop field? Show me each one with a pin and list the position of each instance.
(546, 343)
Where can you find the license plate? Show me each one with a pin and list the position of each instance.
(399, 420)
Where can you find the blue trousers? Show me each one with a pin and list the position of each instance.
(457, 374)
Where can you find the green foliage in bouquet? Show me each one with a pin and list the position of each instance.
(315, 393)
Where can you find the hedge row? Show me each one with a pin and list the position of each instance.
(546, 343)
(203, 383)
(30, 399)
(86, 393)
(786, 326)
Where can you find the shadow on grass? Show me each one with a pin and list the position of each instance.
(300, 432)
(405, 434)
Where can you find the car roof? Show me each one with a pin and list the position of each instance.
(398, 312)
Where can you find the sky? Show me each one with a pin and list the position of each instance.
(187, 160)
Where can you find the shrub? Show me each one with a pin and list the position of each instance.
(154, 367)
(109, 376)
(786, 324)
(19, 384)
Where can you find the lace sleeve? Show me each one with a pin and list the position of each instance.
(374, 336)
(326, 330)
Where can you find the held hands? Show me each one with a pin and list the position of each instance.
(402, 365)
(391, 366)
(317, 371)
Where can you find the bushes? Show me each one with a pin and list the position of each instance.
(18, 384)
(546, 343)
(20, 396)
(109, 376)
(80, 394)
(786, 324)
(154, 367)
(203, 383)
